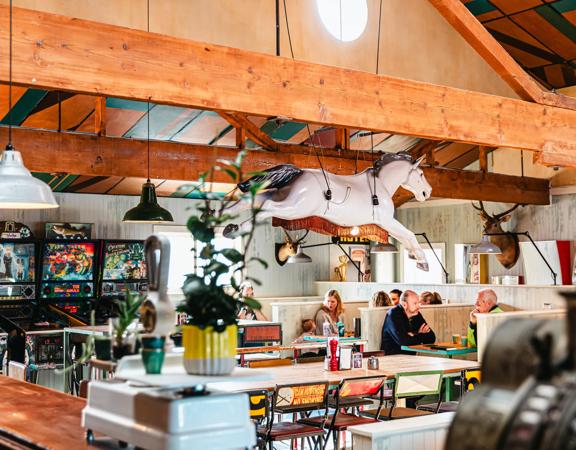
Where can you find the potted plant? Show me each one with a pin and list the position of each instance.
(209, 336)
(128, 314)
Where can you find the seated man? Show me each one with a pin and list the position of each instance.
(404, 325)
(486, 302)
(395, 296)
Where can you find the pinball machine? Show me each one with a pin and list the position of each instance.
(123, 269)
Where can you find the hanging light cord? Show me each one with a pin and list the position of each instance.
(149, 98)
(375, 201)
(328, 193)
(9, 146)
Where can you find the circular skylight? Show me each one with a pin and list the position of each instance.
(344, 19)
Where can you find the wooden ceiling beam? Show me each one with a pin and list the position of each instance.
(342, 138)
(49, 151)
(57, 52)
(485, 186)
(457, 15)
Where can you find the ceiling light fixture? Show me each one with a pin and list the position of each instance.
(148, 210)
(18, 188)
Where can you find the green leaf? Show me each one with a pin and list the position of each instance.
(200, 230)
(232, 254)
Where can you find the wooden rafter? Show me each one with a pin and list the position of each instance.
(483, 158)
(100, 116)
(343, 138)
(46, 151)
(56, 52)
(252, 131)
(456, 13)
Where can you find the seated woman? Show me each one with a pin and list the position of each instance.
(330, 312)
(430, 298)
(380, 298)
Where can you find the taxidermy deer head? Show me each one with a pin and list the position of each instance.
(288, 248)
(508, 242)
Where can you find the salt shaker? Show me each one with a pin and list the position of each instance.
(373, 363)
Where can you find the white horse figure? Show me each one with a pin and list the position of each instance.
(295, 193)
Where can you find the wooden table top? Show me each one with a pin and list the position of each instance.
(301, 346)
(389, 366)
(40, 415)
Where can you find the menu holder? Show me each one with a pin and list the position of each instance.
(345, 358)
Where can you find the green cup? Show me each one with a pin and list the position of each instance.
(153, 353)
(464, 341)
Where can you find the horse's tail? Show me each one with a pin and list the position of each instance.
(274, 178)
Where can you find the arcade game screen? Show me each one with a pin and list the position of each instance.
(124, 261)
(68, 261)
(17, 262)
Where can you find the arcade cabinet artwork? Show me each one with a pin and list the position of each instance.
(68, 277)
(123, 270)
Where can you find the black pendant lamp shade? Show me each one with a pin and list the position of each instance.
(148, 210)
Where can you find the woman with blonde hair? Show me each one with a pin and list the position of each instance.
(430, 298)
(380, 298)
(331, 312)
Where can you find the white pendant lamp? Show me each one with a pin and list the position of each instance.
(18, 188)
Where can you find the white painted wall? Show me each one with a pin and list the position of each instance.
(106, 212)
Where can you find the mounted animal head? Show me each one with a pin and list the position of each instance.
(508, 242)
(414, 179)
(288, 248)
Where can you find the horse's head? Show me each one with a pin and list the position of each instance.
(416, 182)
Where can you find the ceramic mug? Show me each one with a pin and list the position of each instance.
(464, 341)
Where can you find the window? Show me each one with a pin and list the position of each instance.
(182, 260)
(435, 274)
(344, 19)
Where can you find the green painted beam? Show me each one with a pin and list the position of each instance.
(24, 106)
(558, 20)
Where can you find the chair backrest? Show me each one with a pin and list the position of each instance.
(302, 396)
(373, 353)
(412, 384)
(309, 359)
(17, 370)
(360, 387)
(258, 404)
(471, 379)
(270, 363)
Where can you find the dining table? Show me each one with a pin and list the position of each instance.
(388, 367)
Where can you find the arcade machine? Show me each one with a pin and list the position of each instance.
(67, 292)
(17, 292)
(123, 270)
(28, 339)
(68, 279)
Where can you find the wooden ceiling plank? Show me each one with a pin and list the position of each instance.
(46, 151)
(53, 51)
(494, 54)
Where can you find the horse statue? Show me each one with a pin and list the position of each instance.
(345, 200)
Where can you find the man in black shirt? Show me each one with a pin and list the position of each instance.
(404, 325)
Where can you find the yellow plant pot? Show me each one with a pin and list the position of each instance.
(207, 352)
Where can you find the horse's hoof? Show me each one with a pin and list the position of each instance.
(411, 256)
(423, 266)
(229, 230)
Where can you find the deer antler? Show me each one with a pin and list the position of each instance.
(502, 214)
(302, 238)
(480, 208)
(287, 236)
